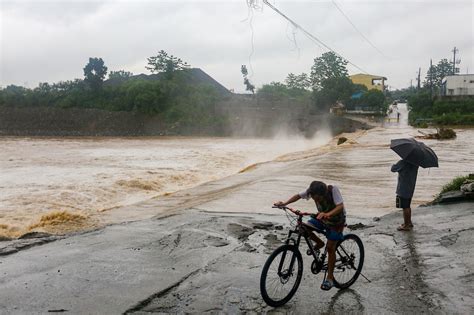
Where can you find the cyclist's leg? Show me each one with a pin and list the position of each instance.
(314, 223)
(331, 246)
(333, 236)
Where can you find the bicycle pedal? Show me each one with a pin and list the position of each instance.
(309, 253)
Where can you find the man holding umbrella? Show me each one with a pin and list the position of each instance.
(413, 154)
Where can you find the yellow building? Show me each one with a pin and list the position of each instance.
(370, 81)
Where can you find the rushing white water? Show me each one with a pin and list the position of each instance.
(90, 175)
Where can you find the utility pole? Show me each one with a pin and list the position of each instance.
(418, 85)
(431, 78)
(455, 50)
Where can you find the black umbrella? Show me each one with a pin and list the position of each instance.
(414, 152)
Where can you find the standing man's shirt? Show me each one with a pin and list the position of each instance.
(407, 174)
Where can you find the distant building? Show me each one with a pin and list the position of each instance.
(458, 85)
(338, 109)
(370, 81)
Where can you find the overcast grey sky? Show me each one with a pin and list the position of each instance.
(50, 41)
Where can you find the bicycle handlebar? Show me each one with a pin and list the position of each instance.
(297, 212)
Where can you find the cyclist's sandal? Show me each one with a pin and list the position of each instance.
(404, 227)
(327, 285)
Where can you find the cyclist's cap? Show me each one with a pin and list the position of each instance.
(317, 188)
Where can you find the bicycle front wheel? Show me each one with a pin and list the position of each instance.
(281, 275)
(349, 261)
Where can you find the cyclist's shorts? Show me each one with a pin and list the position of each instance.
(331, 234)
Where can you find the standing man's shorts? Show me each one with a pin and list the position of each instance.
(402, 203)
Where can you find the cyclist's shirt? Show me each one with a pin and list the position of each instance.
(336, 220)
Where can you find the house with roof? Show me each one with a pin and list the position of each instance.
(376, 82)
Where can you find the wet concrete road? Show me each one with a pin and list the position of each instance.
(205, 252)
(201, 261)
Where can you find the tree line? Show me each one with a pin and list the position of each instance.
(172, 95)
(327, 83)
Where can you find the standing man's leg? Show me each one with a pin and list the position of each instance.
(405, 204)
(407, 217)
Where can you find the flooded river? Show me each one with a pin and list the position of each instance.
(42, 177)
(86, 177)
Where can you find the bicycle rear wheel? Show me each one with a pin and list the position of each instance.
(281, 275)
(349, 261)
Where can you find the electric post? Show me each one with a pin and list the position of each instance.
(431, 78)
(455, 50)
(418, 79)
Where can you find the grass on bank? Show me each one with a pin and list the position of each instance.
(456, 183)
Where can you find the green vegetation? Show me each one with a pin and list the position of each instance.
(164, 63)
(248, 86)
(172, 96)
(426, 108)
(440, 112)
(302, 81)
(456, 183)
(94, 73)
(277, 90)
(327, 85)
(328, 66)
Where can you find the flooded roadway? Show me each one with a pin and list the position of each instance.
(201, 258)
(97, 179)
(43, 177)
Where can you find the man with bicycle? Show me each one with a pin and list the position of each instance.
(331, 218)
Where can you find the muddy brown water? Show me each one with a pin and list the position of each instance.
(92, 176)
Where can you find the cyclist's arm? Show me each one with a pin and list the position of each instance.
(291, 200)
(338, 209)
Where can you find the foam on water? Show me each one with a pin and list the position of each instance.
(83, 177)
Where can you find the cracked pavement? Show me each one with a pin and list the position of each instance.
(209, 262)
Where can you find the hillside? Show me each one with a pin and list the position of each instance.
(194, 76)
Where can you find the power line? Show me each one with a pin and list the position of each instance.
(311, 36)
(358, 31)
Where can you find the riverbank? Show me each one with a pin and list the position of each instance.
(241, 120)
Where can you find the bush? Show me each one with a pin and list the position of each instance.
(456, 183)
(441, 112)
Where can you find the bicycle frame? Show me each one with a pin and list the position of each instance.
(342, 260)
(301, 233)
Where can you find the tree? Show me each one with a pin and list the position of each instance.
(120, 74)
(164, 63)
(301, 81)
(248, 86)
(438, 72)
(373, 99)
(94, 73)
(332, 90)
(329, 65)
(443, 69)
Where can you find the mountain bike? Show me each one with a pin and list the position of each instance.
(282, 272)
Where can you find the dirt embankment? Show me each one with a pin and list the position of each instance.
(242, 121)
